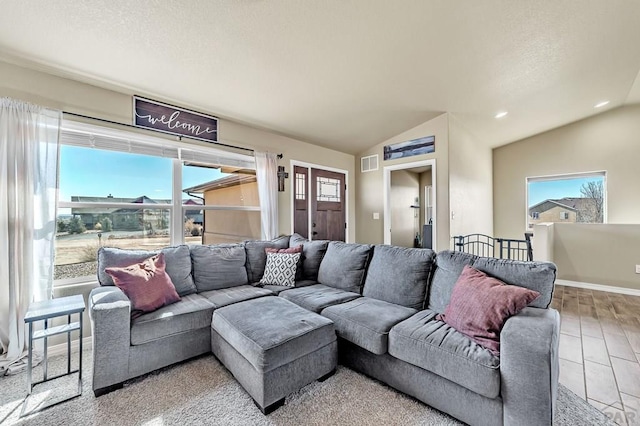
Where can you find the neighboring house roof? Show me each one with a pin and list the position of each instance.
(568, 203)
(225, 182)
(143, 199)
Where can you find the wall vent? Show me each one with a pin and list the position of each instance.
(369, 163)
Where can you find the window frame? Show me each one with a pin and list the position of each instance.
(562, 176)
(74, 133)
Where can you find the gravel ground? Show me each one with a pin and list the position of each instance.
(74, 270)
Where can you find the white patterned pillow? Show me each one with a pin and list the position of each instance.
(281, 269)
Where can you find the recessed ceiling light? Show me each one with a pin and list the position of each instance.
(501, 114)
(601, 104)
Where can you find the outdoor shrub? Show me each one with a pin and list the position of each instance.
(61, 225)
(89, 253)
(76, 226)
(196, 231)
(107, 224)
(97, 226)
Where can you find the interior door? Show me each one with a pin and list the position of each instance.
(301, 201)
(328, 220)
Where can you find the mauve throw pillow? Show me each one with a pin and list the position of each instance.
(481, 304)
(146, 284)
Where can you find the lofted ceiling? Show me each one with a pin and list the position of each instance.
(346, 74)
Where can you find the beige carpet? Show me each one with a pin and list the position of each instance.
(203, 392)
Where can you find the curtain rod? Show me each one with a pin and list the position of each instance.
(134, 127)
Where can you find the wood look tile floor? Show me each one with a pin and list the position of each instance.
(600, 350)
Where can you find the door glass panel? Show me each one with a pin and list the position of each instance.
(301, 186)
(328, 189)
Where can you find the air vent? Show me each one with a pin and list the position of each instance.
(369, 163)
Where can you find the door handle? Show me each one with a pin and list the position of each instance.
(314, 233)
(313, 224)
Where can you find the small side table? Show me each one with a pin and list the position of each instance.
(44, 311)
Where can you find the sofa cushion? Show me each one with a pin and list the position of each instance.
(317, 297)
(481, 304)
(218, 266)
(536, 276)
(257, 257)
(437, 347)
(191, 313)
(448, 267)
(277, 289)
(177, 259)
(281, 269)
(228, 296)
(271, 331)
(344, 266)
(146, 284)
(312, 254)
(366, 322)
(399, 275)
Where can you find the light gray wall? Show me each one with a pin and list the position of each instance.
(597, 253)
(609, 141)
(115, 104)
(470, 182)
(369, 185)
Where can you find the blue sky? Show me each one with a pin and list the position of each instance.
(552, 189)
(97, 173)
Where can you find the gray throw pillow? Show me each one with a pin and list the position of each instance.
(312, 254)
(218, 266)
(344, 266)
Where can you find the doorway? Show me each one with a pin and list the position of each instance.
(410, 204)
(319, 202)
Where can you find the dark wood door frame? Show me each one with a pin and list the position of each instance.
(309, 166)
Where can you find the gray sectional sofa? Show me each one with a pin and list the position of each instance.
(382, 301)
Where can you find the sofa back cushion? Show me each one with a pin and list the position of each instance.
(312, 254)
(344, 266)
(537, 276)
(257, 257)
(399, 275)
(219, 266)
(177, 259)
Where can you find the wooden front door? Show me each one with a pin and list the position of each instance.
(319, 201)
(327, 205)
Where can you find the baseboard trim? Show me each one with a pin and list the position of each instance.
(61, 349)
(600, 287)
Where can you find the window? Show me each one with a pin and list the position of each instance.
(328, 189)
(125, 190)
(570, 198)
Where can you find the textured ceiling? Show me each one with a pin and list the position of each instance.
(347, 74)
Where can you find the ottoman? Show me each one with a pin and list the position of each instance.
(273, 347)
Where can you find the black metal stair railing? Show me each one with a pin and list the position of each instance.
(501, 248)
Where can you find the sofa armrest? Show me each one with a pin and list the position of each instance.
(529, 366)
(110, 313)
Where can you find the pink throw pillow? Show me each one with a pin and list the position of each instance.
(146, 284)
(481, 304)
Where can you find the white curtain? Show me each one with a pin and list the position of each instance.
(28, 161)
(267, 176)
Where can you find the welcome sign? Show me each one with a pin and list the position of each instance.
(170, 119)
